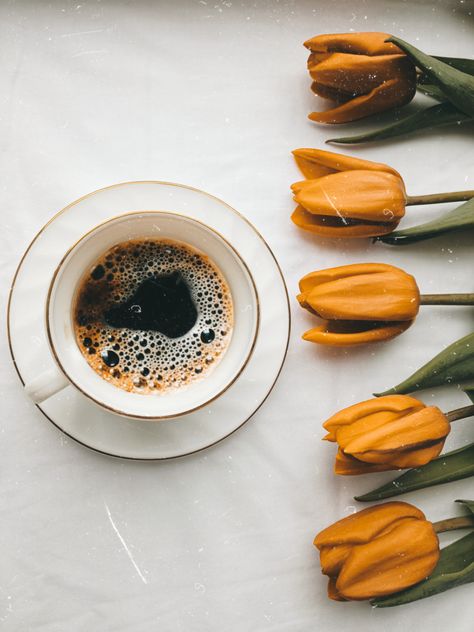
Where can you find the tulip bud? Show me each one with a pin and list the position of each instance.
(346, 196)
(360, 71)
(377, 551)
(386, 433)
(360, 303)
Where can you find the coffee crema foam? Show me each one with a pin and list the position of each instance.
(144, 360)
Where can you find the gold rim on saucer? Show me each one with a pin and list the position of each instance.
(115, 186)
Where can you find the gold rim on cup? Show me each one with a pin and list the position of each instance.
(111, 408)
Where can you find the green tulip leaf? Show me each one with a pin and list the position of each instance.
(470, 393)
(425, 85)
(460, 218)
(458, 86)
(435, 116)
(461, 63)
(431, 91)
(467, 503)
(448, 467)
(455, 567)
(454, 365)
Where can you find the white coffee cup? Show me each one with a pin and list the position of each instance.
(71, 366)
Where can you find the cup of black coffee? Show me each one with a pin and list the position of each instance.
(151, 315)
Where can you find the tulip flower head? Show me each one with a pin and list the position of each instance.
(360, 303)
(344, 196)
(386, 433)
(377, 551)
(361, 72)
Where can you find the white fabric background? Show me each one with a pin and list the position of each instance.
(212, 94)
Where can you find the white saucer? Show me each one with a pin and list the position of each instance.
(103, 431)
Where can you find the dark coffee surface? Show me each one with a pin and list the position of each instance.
(161, 303)
(153, 315)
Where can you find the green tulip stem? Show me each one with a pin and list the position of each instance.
(460, 413)
(439, 198)
(450, 524)
(447, 299)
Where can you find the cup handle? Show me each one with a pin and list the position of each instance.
(46, 385)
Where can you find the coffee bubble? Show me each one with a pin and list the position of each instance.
(153, 315)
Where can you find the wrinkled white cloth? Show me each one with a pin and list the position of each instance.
(213, 94)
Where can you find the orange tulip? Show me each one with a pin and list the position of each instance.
(377, 551)
(362, 72)
(345, 196)
(360, 303)
(386, 433)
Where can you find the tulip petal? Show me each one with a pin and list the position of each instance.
(333, 557)
(368, 441)
(333, 592)
(359, 300)
(315, 163)
(325, 226)
(301, 298)
(365, 525)
(365, 431)
(349, 334)
(402, 459)
(390, 563)
(330, 92)
(316, 58)
(379, 409)
(296, 187)
(346, 465)
(355, 75)
(386, 295)
(454, 568)
(318, 277)
(362, 194)
(370, 43)
(392, 93)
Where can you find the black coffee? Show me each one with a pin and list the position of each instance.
(161, 303)
(153, 315)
